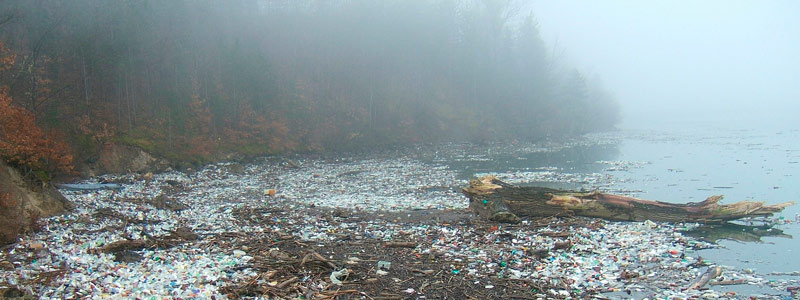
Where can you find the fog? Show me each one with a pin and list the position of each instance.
(276, 75)
(355, 128)
(679, 63)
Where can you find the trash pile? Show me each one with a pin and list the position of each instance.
(375, 227)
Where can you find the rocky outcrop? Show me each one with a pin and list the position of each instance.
(118, 158)
(22, 203)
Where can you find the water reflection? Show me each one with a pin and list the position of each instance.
(677, 167)
(560, 158)
(735, 232)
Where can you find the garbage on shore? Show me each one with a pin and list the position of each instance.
(89, 186)
(390, 228)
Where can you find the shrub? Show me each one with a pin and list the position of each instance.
(25, 145)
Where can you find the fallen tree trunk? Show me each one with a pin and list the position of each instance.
(499, 201)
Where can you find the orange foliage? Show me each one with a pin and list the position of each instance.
(248, 129)
(24, 144)
(260, 129)
(6, 60)
(280, 140)
(198, 127)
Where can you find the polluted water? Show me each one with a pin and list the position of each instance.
(393, 225)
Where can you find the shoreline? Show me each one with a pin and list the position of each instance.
(249, 242)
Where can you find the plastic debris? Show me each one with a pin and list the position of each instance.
(335, 275)
(89, 186)
(384, 265)
(345, 211)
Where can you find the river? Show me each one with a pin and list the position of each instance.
(675, 166)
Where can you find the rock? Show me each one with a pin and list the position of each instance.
(184, 234)
(164, 202)
(36, 245)
(341, 213)
(505, 217)
(236, 168)
(15, 293)
(118, 159)
(127, 256)
(6, 265)
(23, 203)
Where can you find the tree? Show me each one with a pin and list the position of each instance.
(23, 143)
(193, 79)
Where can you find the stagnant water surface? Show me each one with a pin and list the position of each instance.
(680, 167)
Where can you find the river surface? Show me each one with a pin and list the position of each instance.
(676, 167)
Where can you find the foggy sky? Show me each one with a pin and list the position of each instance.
(673, 63)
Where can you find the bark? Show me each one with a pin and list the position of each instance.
(499, 201)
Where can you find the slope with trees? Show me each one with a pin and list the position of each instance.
(193, 80)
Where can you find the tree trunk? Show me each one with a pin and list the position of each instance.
(499, 201)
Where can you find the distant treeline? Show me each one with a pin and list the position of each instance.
(193, 79)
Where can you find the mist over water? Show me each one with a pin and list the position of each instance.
(710, 98)
(686, 64)
(672, 101)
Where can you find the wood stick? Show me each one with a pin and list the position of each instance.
(701, 281)
(400, 244)
(287, 282)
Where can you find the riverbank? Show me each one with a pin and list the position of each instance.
(396, 221)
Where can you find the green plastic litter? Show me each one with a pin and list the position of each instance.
(485, 201)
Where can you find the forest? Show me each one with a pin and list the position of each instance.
(192, 81)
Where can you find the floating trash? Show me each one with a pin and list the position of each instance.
(396, 221)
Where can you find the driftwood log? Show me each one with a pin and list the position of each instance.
(502, 202)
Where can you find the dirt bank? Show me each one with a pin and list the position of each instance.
(23, 203)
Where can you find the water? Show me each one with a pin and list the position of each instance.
(678, 167)
(742, 165)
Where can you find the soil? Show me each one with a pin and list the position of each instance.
(280, 258)
(23, 203)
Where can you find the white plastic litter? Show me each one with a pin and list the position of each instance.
(335, 275)
(653, 252)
